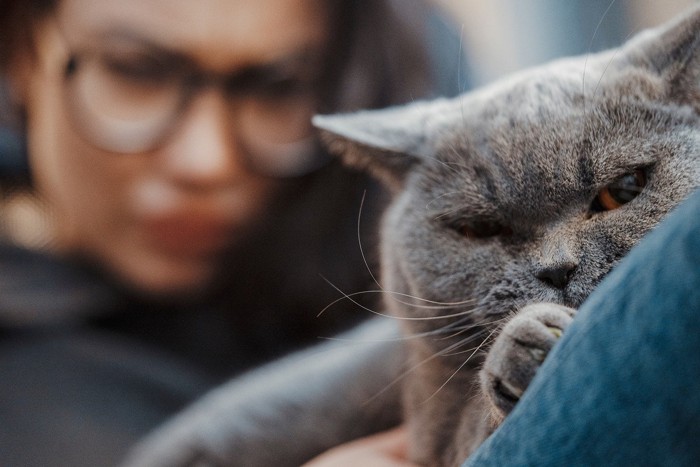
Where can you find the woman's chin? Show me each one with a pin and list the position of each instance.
(167, 278)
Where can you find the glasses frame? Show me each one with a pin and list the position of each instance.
(293, 159)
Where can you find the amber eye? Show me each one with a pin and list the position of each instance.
(621, 191)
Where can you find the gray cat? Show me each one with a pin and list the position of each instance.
(511, 204)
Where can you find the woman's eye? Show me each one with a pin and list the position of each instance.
(621, 191)
(282, 88)
(482, 229)
(143, 68)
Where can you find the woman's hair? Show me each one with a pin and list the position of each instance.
(376, 54)
(16, 24)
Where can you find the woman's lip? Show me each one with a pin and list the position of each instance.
(189, 235)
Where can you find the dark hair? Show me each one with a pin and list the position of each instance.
(16, 25)
(377, 55)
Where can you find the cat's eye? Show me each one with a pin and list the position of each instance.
(620, 192)
(483, 229)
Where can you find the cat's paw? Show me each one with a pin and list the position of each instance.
(518, 352)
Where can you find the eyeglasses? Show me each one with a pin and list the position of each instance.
(130, 98)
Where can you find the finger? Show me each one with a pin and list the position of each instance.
(388, 449)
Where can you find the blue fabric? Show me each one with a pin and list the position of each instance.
(622, 387)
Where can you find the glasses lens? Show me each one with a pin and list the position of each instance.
(276, 129)
(124, 102)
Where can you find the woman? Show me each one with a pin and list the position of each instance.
(177, 221)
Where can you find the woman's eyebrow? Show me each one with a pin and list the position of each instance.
(122, 36)
(306, 58)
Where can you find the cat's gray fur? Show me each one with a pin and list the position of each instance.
(530, 154)
(494, 219)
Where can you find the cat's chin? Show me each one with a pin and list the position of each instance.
(572, 296)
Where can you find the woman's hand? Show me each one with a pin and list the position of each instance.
(388, 449)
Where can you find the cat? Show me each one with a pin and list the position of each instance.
(511, 203)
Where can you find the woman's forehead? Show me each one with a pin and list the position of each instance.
(218, 33)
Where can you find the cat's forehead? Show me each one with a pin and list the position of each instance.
(573, 111)
(526, 95)
(547, 135)
(561, 92)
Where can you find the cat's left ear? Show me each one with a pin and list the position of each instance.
(673, 51)
(387, 143)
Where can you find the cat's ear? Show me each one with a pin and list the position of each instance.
(673, 51)
(387, 143)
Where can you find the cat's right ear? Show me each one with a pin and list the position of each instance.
(672, 50)
(386, 143)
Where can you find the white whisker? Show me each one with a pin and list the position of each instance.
(460, 367)
(403, 375)
(431, 304)
(359, 240)
(451, 193)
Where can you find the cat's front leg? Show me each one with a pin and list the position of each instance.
(518, 352)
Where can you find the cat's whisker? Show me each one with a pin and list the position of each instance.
(403, 337)
(450, 193)
(403, 375)
(460, 83)
(434, 305)
(445, 164)
(461, 343)
(359, 241)
(585, 63)
(427, 360)
(472, 326)
(460, 367)
(590, 43)
(607, 65)
(458, 352)
(439, 304)
(369, 270)
(447, 213)
(344, 297)
(435, 332)
(385, 315)
(448, 329)
(444, 352)
(439, 307)
(458, 163)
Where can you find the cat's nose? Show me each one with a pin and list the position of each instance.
(558, 275)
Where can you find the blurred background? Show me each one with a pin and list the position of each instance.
(501, 36)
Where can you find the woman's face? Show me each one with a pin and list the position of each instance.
(160, 217)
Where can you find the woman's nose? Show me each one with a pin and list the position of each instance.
(203, 152)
